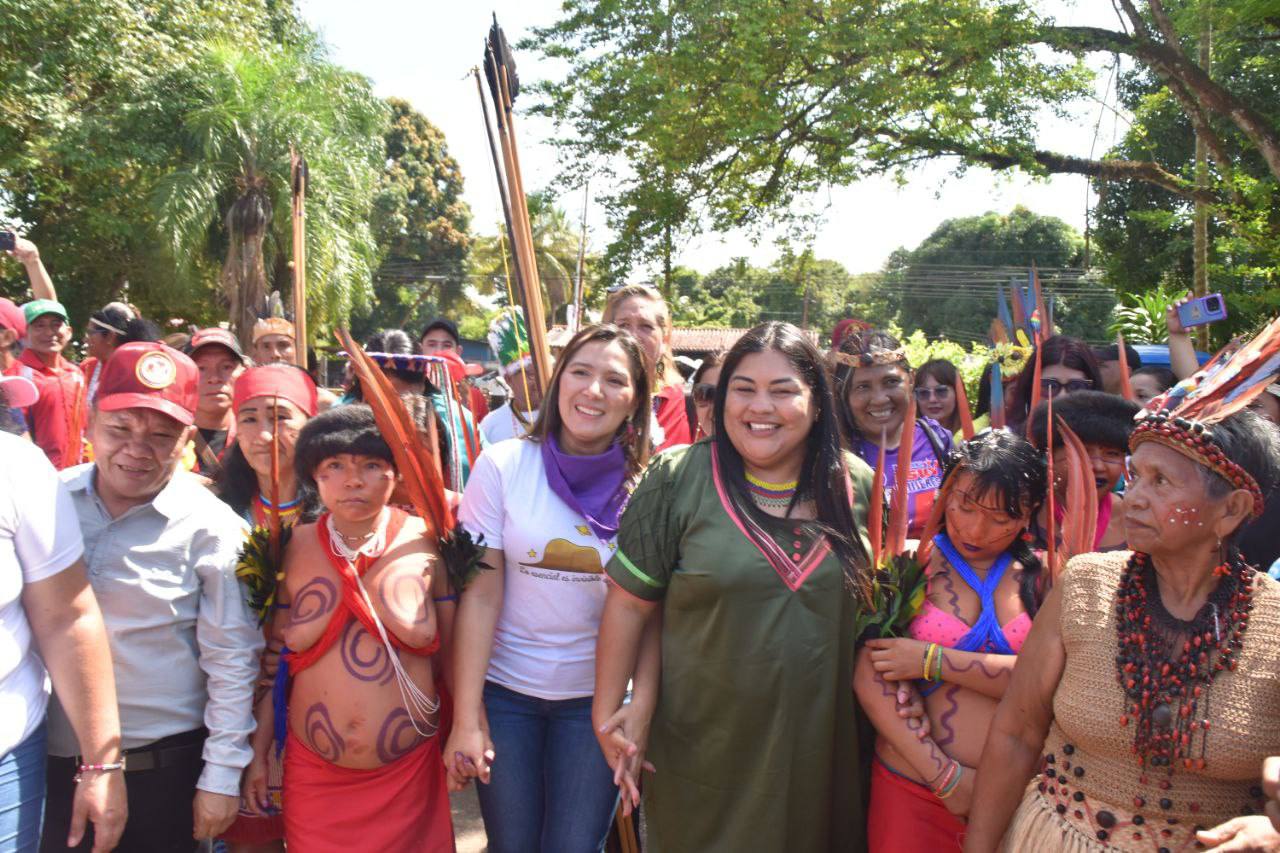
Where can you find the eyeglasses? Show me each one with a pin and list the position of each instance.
(703, 393)
(1052, 387)
(937, 392)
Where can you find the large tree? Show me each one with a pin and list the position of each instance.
(228, 195)
(745, 106)
(947, 285)
(421, 224)
(76, 163)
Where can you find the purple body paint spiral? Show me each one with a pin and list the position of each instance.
(364, 656)
(317, 598)
(324, 737)
(397, 593)
(397, 737)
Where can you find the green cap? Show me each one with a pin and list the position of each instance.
(39, 307)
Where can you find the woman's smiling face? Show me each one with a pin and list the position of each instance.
(877, 397)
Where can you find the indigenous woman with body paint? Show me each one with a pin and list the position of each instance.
(641, 310)
(1103, 423)
(362, 766)
(1146, 693)
(873, 382)
(547, 506)
(984, 586)
(270, 406)
(752, 544)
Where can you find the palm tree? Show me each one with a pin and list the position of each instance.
(228, 195)
(555, 246)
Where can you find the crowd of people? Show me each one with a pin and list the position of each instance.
(240, 609)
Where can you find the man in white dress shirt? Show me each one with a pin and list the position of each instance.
(161, 553)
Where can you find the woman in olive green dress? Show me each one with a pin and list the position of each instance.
(752, 543)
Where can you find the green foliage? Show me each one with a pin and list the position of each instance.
(421, 225)
(1140, 316)
(124, 147)
(947, 285)
(732, 114)
(76, 163)
(239, 113)
(555, 243)
(969, 361)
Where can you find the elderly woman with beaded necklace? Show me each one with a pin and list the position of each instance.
(1141, 703)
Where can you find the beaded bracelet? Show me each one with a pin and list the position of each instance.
(98, 768)
(954, 782)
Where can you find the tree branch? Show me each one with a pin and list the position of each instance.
(1208, 93)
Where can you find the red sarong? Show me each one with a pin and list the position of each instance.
(906, 817)
(402, 807)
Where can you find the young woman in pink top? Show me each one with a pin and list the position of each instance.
(984, 587)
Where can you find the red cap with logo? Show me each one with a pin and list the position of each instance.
(11, 317)
(147, 375)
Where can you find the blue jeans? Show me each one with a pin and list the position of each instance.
(22, 794)
(551, 789)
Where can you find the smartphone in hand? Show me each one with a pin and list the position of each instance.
(8, 240)
(1206, 309)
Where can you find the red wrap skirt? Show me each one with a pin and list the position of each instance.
(906, 817)
(398, 808)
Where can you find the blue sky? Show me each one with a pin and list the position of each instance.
(423, 52)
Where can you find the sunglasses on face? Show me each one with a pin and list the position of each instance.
(1052, 387)
(703, 393)
(938, 392)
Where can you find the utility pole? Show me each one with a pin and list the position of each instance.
(575, 321)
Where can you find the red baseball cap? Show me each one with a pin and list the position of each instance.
(150, 375)
(11, 317)
(458, 369)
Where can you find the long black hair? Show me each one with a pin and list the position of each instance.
(824, 474)
(1059, 349)
(237, 486)
(1009, 468)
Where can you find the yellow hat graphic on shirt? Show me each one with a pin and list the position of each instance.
(564, 555)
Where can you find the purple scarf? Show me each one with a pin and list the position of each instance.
(590, 485)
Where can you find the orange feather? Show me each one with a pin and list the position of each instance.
(413, 460)
(1080, 524)
(899, 519)
(962, 407)
(1126, 389)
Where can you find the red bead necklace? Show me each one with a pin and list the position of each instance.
(1164, 684)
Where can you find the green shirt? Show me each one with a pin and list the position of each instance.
(756, 734)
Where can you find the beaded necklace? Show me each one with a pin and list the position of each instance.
(1163, 684)
(771, 495)
(287, 510)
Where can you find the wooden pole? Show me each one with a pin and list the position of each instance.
(503, 195)
(298, 178)
(1200, 231)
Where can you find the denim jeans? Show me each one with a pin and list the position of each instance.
(551, 789)
(22, 794)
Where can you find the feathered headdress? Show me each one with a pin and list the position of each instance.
(509, 340)
(1183, 417)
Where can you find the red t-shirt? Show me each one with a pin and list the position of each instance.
(58, 418)
(672, 415)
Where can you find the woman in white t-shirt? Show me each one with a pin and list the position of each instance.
(547, 507)
(50, 618)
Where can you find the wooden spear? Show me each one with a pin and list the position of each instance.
(503, 87)
(298, 179)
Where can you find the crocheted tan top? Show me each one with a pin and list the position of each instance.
(1091, 794)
